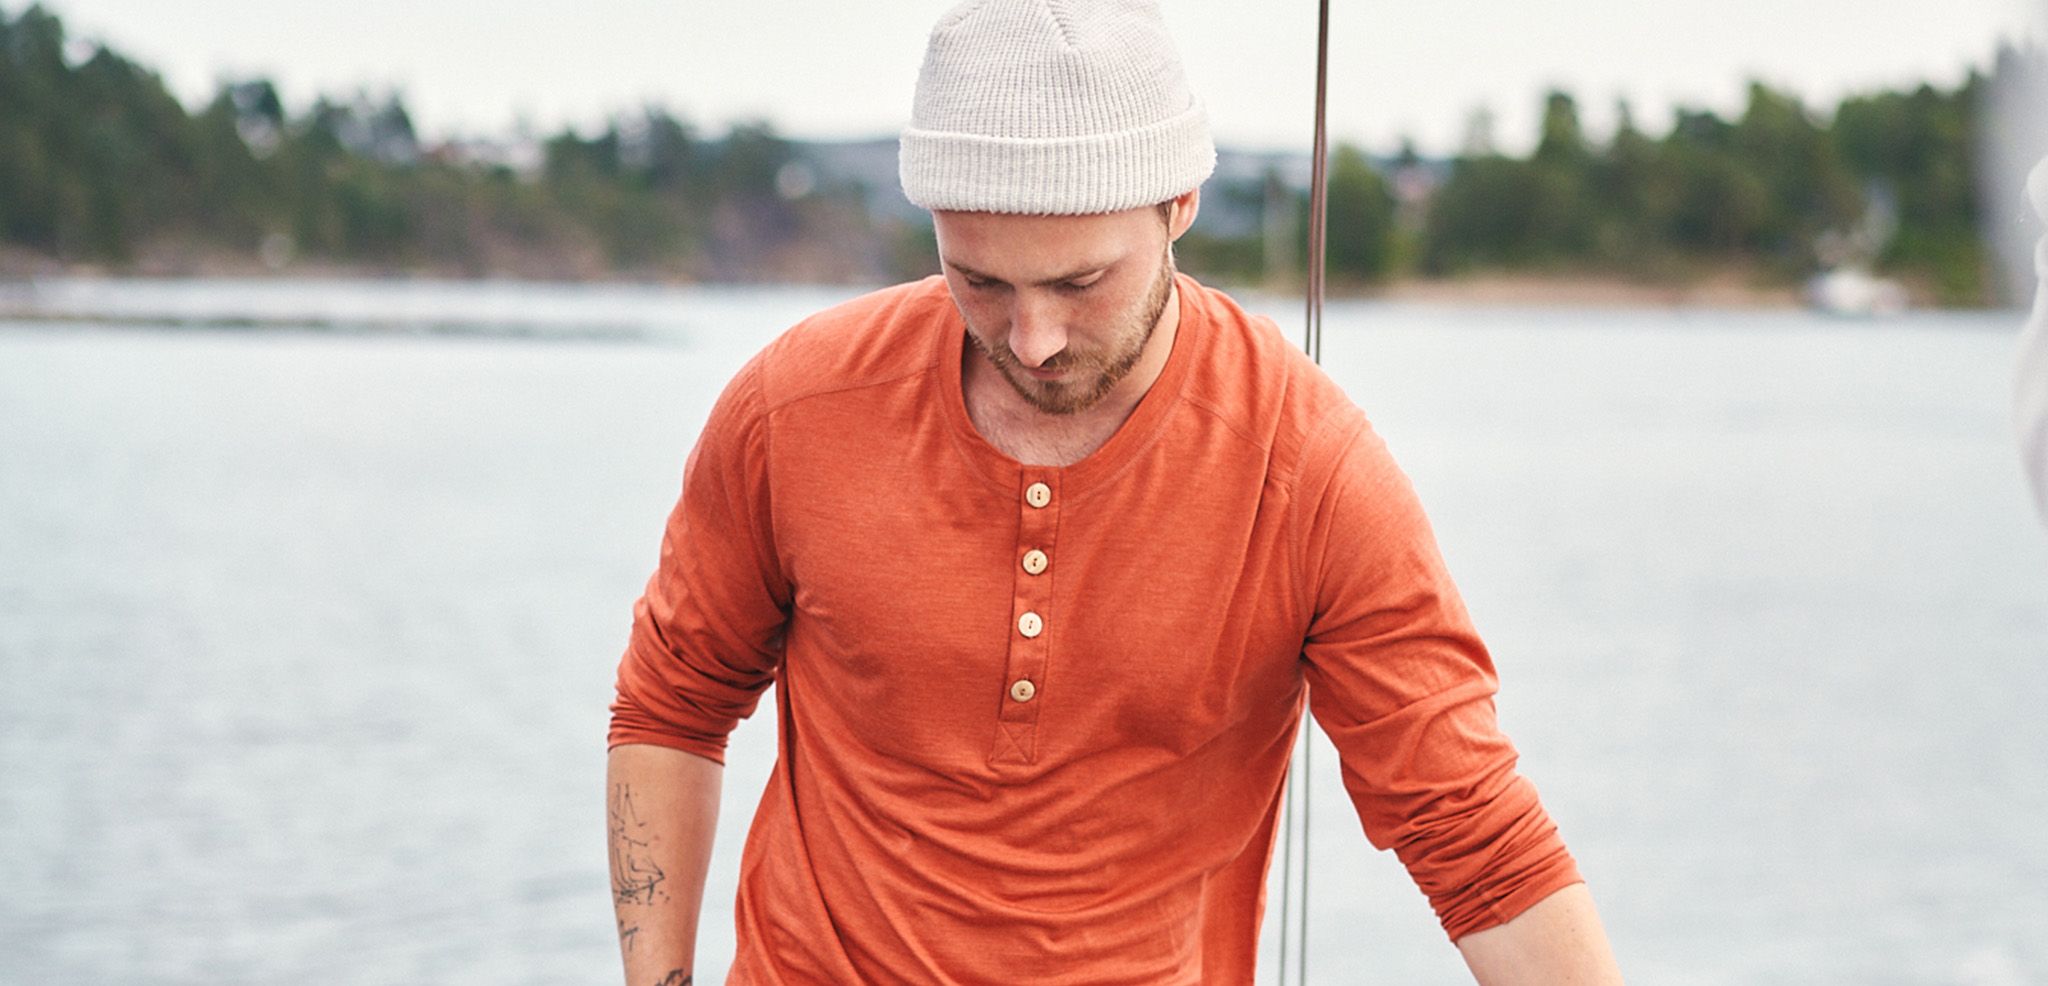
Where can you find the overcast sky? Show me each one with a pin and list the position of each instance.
(844, 68)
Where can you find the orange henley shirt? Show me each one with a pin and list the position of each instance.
(1034, 721)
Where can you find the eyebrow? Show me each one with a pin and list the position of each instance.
(1079, 272)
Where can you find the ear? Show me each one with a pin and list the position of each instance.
(1184, 209)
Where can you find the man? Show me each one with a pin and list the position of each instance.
(1042, 554)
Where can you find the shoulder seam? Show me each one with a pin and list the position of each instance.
(778, 351)
(770, 407)
(1203, 404)
(1330, 417)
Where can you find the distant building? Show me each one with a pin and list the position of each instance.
(1235, 201)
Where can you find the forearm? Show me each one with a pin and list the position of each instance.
(662, 811)
(1557, 942)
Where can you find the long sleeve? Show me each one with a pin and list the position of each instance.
(706, 638)
(1401, 683)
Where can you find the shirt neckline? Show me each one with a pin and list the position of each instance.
(1134, 434)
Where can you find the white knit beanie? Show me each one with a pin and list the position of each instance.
(1052, 107)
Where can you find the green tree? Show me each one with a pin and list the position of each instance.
(1360, 226)
(1918, 150)
(1483, 216)
(1807, 189)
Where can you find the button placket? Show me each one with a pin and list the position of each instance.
(1033, 624)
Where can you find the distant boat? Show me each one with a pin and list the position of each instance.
(1853, 291)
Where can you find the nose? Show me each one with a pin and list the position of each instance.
(1036, 333)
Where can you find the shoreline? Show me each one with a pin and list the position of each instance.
(1587, 291)
(1731, 290)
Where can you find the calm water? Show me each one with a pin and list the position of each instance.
(306, 634)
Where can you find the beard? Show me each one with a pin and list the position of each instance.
(1090, 375)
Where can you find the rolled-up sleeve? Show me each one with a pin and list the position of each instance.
(706, 638)
(1401, 683)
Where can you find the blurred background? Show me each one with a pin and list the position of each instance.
(350, 353)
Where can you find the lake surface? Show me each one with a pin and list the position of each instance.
(309, 616)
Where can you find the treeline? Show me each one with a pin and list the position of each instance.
(99, 164)
(1775, 195)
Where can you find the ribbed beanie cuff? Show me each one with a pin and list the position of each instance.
(1052, 107)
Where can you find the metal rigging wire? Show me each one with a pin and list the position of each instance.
(1293, 933)
(1319, 190)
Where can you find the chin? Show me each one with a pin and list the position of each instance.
(1060, 398)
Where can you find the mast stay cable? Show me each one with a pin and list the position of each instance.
(1294, 933)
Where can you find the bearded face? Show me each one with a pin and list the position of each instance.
(1081, 374)
(1062, 307)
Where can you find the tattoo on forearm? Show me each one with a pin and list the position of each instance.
(626, 935)
(675, 977)
(636, 877)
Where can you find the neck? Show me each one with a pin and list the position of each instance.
(1038, 438)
